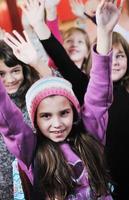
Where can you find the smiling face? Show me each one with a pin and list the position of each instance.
(119, 62)
(12, 77)
(55, 117)
(75, 45)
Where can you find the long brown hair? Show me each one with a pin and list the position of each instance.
(54, 174)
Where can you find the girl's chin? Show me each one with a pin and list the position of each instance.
(12, 91)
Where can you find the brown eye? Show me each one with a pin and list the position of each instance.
(2, 74)
(45, 115)
(16, 71)
(64, 113)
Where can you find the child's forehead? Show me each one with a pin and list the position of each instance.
(55, 102)
(75, 34)
(118, 46)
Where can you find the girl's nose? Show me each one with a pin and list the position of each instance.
(115, 60)
(56, 122)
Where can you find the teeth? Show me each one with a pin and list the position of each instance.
(58, 131)
(115, 70)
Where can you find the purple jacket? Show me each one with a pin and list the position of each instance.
(19, 137)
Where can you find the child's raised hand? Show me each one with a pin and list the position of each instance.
(34, 10)
(107, 14)
(22, 48)
(78, 8)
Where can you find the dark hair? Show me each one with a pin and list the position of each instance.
(30, 75)
(52, 175)
(86, 65)
(118, 39)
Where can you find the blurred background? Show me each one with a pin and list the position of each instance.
(10, 14)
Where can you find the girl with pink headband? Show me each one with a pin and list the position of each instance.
(62, 160)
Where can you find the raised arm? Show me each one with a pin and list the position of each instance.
(52, 22)
(52, 18)
(55, 50)
(98, 97)
(18, 136)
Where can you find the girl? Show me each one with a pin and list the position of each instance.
(117, 131)
(17, 77)
(75, 40)
(65, 162)
(76, 43)
(57, 132)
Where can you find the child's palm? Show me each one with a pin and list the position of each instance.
(22, 48)
(26, 53)
(34, 11)
(107, 15)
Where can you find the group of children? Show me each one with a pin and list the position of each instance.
(59, 133)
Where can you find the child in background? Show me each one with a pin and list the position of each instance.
(17, 77)
(75, 40)
(117, 131)
(76, 43)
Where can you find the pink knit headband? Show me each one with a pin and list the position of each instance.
(46, 87)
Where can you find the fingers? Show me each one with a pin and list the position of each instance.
(24, 7)
(17, 41)
(101, 5)
(11, 40)
(26, 36)
(25, 4)
(18, 37)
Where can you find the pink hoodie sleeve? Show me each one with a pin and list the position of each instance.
(18, 136)
(98, 97)
(53, 26)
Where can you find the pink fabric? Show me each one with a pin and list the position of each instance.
(53, 26)
(20, 139)
(53, 91)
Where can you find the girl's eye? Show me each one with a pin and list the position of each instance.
(80, 41)
(68, 41)
(45, 116)
(2, 74)
(16, 71)
(120, 56)
(65, 113)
